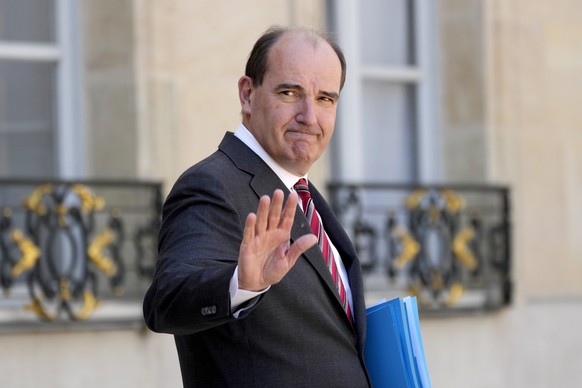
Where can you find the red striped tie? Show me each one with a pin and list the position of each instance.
(323, 241)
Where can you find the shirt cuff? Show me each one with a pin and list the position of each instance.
(238, 296)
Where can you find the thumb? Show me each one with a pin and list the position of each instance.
(300, 245)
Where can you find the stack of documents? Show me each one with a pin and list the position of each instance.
(394, 351)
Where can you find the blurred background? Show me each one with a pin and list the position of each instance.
(456, 165)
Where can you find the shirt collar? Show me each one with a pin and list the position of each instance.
(244, 135)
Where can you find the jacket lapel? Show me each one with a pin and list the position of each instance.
(265, 181)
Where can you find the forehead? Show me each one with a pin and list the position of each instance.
(298, 57)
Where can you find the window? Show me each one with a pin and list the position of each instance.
(40, 109)
(386, 129)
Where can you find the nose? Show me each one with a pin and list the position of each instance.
(307, 113)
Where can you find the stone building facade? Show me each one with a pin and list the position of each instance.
(158, 86)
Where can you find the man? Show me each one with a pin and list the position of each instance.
(249, 297)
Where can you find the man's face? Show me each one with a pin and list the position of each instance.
(292, 113)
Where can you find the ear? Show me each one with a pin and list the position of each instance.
(245, 90)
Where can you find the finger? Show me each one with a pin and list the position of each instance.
(249, 232)
(275, 209)
(289, 212)
(262, 214)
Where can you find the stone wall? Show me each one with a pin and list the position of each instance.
(534, 122)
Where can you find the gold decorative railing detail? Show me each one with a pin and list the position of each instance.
(30, 253)
(412, 201)
(448, 246)
(454, 202)
(37, 308)
(34, 201)
(90, 201)
(461, 249)
(90, 304)
(455, 292)
(95, 252)
(410, 248)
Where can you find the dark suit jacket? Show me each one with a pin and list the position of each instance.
(294, 335)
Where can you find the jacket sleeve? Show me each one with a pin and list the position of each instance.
(198, 250)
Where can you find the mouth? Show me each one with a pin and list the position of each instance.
(301, 137)
(301, 134)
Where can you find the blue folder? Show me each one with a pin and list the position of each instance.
(394, 351)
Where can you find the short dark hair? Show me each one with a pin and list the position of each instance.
(257, 63)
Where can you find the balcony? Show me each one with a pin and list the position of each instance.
(450, 246)
(76, 254)
(80, 254)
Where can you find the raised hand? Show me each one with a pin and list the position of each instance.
(266, 254)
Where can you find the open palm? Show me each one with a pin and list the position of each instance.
(266, 254)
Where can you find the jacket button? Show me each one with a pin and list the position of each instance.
(208, 310)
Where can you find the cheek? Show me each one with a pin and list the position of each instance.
(282, 116)
(327, 130)
(327, 121)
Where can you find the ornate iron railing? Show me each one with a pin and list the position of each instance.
(76, 251)
(448, 245)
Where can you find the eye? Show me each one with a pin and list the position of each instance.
(327, 100)
(289, 95)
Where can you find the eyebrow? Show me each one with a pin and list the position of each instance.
(333, 95)
(284, 86)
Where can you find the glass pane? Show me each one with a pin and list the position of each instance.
(27, 119)
(27, 20)
(389, 132)
(386, 32)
